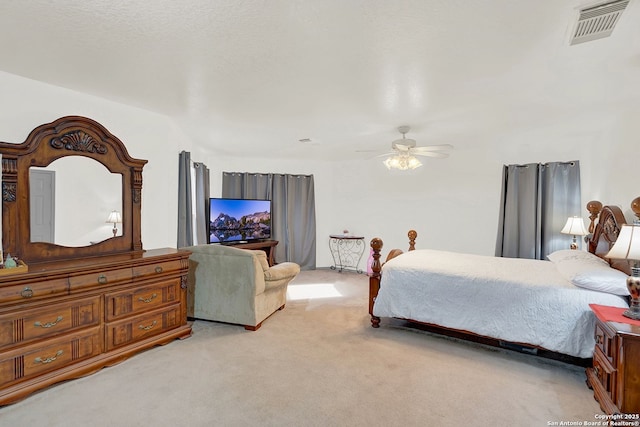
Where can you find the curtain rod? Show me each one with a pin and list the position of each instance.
(571, 163)
(261, 174)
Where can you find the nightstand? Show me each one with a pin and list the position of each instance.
(615, 375)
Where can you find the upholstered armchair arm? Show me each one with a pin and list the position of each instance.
(282, 271)
(280, 274)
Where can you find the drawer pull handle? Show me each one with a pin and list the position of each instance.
(158, 269)
(48, 359)
(147, 300)
(49, 324)
(146, 328)
(102, 279)
(27, 292)
(596, 370)
(599, 339)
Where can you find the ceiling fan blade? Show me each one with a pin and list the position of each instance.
(389, 153)
(433, 148)
(435, 154)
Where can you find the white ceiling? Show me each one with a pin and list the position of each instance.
(239, 75)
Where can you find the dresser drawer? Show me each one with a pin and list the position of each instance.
(137, 300)
(108, 277)
(37, 359)
(26, 325)
(142, 271)
(140, 327)
(605, 372)
(605, 341)
(28, 291)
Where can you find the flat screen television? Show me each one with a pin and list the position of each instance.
(239, 220)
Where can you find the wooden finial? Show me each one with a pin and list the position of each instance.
(594, 207)
(412, 239)
(635, 207)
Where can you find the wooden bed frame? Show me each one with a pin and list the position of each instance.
(603, 235)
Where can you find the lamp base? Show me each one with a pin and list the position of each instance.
(633, 284)
(574, 243)
(635, 315)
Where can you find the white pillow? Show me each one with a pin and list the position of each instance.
(609, 280)
(589, 271)
(567, 256)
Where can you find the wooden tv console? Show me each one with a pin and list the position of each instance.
(268, 246)
(68, 311)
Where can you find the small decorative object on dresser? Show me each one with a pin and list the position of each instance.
(10, 262)
(615, 375)
(75, 310)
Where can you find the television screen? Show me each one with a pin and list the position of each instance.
(237, 220)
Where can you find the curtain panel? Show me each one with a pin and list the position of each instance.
(536, 200)
(193, 198)
(293, 210)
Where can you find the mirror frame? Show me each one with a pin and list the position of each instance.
(67, 136)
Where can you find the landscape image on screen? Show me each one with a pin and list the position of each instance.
(233, 220)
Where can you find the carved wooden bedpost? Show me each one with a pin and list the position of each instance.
(635, 207)
(594, 207)
(374, 279)
(412, 239)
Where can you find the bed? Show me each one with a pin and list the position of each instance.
(535, 306)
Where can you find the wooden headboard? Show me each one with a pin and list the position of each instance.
(606, 231)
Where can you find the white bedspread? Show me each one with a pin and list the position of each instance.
(517, 300)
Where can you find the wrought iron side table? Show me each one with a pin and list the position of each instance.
(346, 251)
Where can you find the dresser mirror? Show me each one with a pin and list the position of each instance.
(68, 185)
(94, 175)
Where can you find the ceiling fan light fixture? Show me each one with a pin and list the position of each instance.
(402, 162)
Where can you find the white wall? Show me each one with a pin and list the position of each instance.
(26, 104)
(452, 203)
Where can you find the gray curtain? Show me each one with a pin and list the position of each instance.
(192, 194)
(293, 210)
(537, 199)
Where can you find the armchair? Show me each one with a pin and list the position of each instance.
(233, 285)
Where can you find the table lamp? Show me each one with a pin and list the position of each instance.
(627, 247)
(575, 227)
(114, 218)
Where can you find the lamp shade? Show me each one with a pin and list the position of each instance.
(627, 245)
(114, 217)
(574, 226)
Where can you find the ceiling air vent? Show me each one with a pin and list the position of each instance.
(597, 22)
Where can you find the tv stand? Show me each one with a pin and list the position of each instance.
(266, 245)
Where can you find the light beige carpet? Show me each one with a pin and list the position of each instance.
(316, 363)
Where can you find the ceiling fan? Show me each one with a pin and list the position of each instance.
(405, 150)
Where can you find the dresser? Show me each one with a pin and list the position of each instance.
(615, 375)
(66, 319)
(69, 310)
